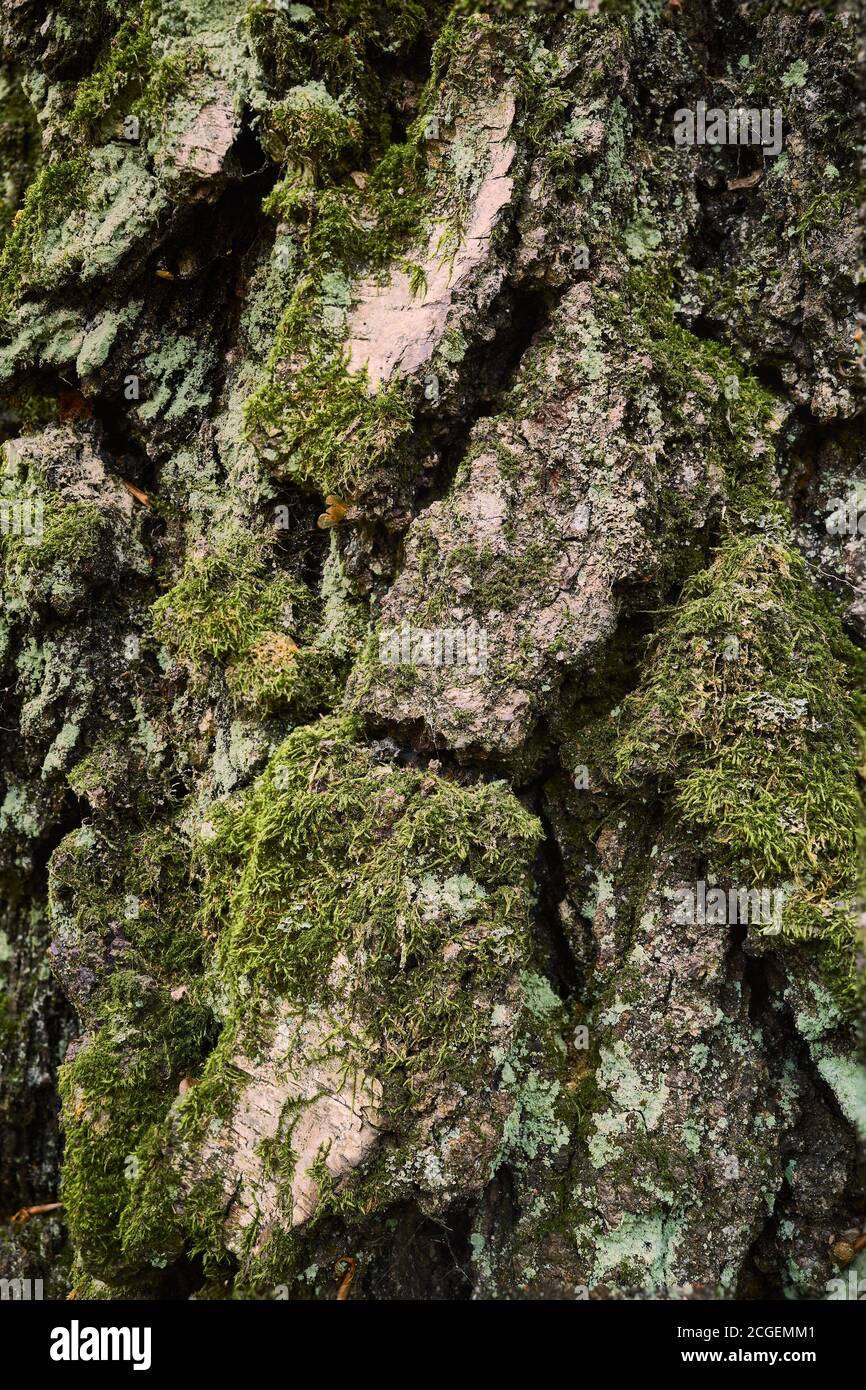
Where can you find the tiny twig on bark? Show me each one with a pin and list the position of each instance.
(348, 1276)
(25, 1213)
(137, 493)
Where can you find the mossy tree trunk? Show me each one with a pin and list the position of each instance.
(432, 640)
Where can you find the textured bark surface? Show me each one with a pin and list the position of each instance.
(431, 544)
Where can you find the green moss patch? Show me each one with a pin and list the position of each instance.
(749, 710)
(329, 426)
(309, 125)
(392, 901)
(55, 192)
(70, 550)
(331, 851)
(132, 897)
(128, 59)
(311, 418)
(230, 609)
(112, 1094)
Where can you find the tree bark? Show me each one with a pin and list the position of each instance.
(432, 641)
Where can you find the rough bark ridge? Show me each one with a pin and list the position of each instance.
(331, 333)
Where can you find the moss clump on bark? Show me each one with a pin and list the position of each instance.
(330, 851)
(129, 60)
(55, 192)
(330, 425)
(227, 610)
(147, 1028)
(309, 126)
(223, 603)
(339, 45)
(749, 709)
(112, 1095)
(313, 418)
(349, 890)
(68, 553)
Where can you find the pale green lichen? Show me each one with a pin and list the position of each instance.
(642, 1251)
(846, 1077)
(632, 1094)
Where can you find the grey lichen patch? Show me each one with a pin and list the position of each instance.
(676, 1119)
(846, 1076)
(640, 1251)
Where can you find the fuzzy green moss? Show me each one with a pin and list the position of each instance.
(750, 710)
(325, 427)
(129, 59)
(739, 407)
(167, 79)
(72, 533)
(112, 1093)
(419, 888)
(283, 649)
(20, 146)
(70, 551)
(148, 1027)
(423, 886)
(308, 125)
(311, 418)
(57, 190)
(337, 43)
(224, 602)
(227, 609)
(132, 70)
(329, 851)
